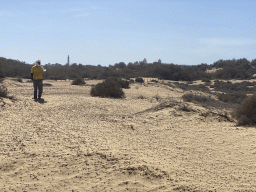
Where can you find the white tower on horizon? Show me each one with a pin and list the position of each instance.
(68, 60)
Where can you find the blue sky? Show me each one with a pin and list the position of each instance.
(111, 31)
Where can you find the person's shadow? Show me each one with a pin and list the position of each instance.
(41, 101)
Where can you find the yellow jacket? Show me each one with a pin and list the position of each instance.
(38, 72)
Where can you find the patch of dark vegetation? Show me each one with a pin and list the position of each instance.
(3, 91)
(235, 97)
(248, 87)
(190, 97)
(108, 88)
(245, 113)
(190, 82)
(154, 81)
(124, 83)
(189, 87)
(19, 79)
(139, 80)
(78, 81)
(206, 80)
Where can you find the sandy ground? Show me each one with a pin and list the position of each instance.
(70, 141)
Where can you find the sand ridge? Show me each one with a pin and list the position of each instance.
(71, 141)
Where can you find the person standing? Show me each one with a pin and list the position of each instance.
(37, 72)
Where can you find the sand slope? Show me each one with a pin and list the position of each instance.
(70, 141)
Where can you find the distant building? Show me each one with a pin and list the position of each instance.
(68, 60)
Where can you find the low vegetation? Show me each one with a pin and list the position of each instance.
(190, 97)
(108, 88)
(3, 89)
(245, 113)
(139, 80)
(123, 83)
(19, 80)
(78, 81)
(236, 97)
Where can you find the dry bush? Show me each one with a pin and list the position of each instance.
(231, 87)
(245, 113)
(141, 97)
(3, 91)
(236, 97)
(186, 87)
(124, 83)
(153, 80)
(157, 97)
(108, 88)
(206, 80)
(139, 80)
(189, 97)
(19, 79)
(78, 81)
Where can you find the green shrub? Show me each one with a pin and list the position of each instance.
(108, 88)
(236, 97)
(78, 81)
(139, 80)
(245, 113)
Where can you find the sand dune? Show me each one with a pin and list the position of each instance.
(70, 141)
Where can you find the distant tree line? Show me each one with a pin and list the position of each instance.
(225, 69)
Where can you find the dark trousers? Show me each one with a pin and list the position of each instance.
(38, 84)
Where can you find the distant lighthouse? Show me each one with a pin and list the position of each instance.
(68, 60)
